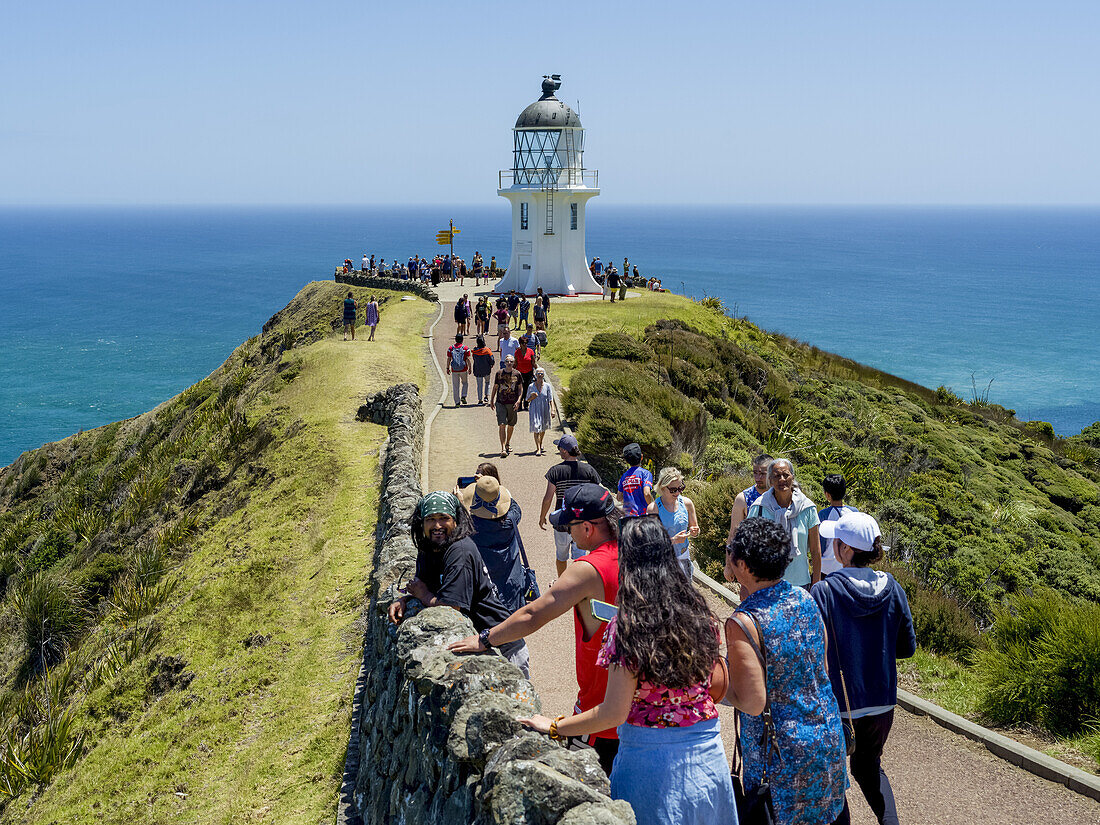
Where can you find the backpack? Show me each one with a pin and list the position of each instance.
(458, 358)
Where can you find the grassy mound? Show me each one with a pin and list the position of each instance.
(182, 590)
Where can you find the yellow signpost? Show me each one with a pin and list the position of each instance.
(446, 237)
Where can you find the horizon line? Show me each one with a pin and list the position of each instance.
(466, 204)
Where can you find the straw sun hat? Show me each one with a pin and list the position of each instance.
(486, 498)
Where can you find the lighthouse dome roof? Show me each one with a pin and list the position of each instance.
(548, 112)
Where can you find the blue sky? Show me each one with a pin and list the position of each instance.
(724, 102)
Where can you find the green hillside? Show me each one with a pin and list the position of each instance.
(988, 517)
(181, 592)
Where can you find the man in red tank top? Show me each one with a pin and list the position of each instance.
(593, 520)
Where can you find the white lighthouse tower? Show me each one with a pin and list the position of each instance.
(548, 187)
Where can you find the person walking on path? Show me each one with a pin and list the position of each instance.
(540, 404)
(462, 314)
(597, 273)
(747, 497)
(478, 266)
(513, 309)
(590, 516)
(660, 650)
(524, 312)
(561, 478)
(451, 573)
(792, 510)
(525, 365)
(835, 489)
(539, 313)
(636, 484)
(481, 315)
(483, 362)
(546, 307)
(505, 399)
(507, 345)
(612, 281)
(677, 514)
(351, 310)
(790, 722)
(371, 319)
(496, 515)
(869, 627)
(458, 367)
(501, 316)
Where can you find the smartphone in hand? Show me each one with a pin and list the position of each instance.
(466, 481)
(603, 611)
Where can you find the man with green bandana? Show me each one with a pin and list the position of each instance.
(451, 573)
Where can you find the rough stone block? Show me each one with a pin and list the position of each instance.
(530, 792)
(483, 723)
(609, 812)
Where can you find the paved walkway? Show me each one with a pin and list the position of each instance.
(938, 777)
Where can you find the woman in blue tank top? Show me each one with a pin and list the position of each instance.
(677, 514)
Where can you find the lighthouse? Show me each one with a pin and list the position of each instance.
(548, 188)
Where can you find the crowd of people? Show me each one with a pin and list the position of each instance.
(810, 653)
(436, 270)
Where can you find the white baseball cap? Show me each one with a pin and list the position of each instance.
(857, 530)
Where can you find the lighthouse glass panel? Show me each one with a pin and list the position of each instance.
(541, 155)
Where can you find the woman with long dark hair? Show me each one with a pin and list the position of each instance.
(661, 649)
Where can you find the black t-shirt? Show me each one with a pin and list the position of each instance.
(570, 474)
(459, 579)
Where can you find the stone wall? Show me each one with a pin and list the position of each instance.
(437, 737)
(355, 278)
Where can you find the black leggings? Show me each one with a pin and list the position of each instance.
(866, 768)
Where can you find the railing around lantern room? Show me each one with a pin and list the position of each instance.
(548, 178)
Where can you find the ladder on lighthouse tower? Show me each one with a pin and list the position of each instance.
(549, 212)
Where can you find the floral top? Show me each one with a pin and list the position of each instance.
(808, 777)
(657, 706)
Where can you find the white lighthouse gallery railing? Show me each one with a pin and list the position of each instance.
(549, 178)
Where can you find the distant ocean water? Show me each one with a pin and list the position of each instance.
(106, 312)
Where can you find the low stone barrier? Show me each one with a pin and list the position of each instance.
(437, 737)
(354, 278)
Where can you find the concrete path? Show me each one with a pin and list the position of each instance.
(938, 777)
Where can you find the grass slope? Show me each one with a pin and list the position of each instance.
(266, 600)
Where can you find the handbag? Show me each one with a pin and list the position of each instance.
(849, 725)
(755, 806)
(531, 589)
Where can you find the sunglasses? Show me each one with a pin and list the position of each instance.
(675, 489)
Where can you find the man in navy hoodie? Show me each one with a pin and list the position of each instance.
(869, 628)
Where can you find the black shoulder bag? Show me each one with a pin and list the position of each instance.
(755, 806)
(530, 583)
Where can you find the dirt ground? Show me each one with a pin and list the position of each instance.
(938, 777)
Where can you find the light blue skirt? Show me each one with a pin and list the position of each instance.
(674, 776)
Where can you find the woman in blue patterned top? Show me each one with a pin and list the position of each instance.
(807, 771)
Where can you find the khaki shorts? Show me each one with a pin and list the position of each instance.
(506, 414)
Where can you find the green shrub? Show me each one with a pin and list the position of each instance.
(941, 624)
(1069, 658)
(52, 612)
(628, 383)
(619, 345)
(610, 424)
(1043, 663)
(1043, 429)
(96, 577)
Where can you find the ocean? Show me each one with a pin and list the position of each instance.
(106, 312)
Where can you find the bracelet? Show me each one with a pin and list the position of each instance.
(557, 737)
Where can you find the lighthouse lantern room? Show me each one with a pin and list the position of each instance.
(548, 188)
